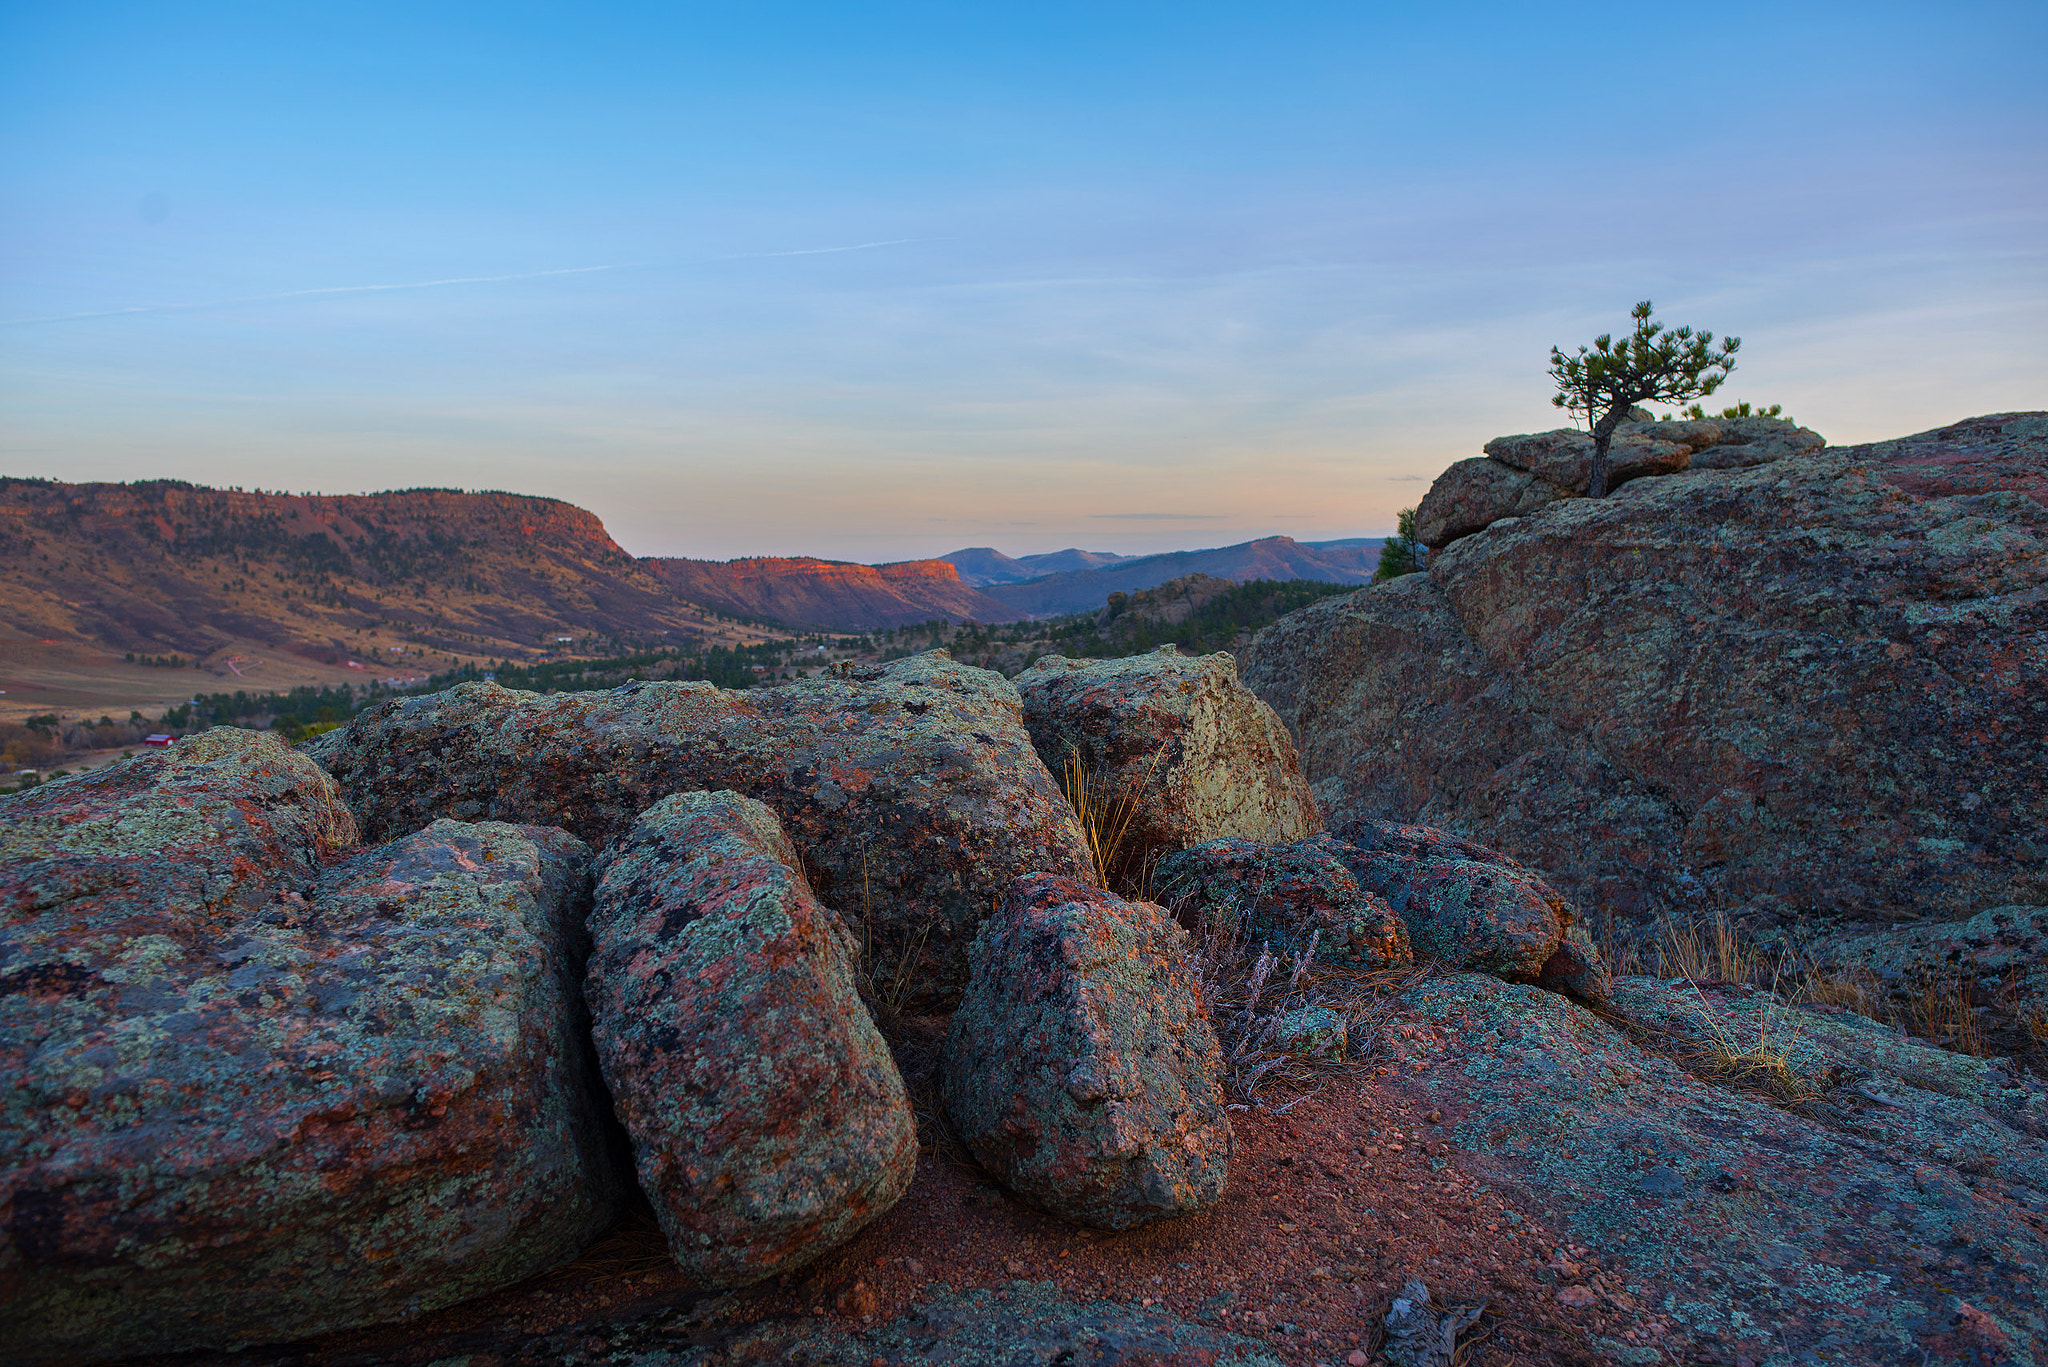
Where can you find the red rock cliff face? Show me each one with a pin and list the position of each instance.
(805, 592)
(162, 567)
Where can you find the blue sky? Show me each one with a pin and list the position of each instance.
(880, 281)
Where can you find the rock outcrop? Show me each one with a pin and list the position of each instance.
(1812, 688)
(261, 1085)
(911, 791)
(1081, 1069)
(1883, 1206)
(768, 1121)
(1519, 475)
(1174, 749)
(1286, 896)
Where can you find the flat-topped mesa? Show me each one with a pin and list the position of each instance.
(1520, 474)
(911, 791)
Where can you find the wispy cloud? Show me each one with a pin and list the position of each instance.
(826, 251)
(431, 284)
(1160, 517)
(309, 293)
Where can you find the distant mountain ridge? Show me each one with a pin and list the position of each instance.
(981, 566)
(1350, 561)
(162, 566)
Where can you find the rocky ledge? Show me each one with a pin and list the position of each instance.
(1812, 692)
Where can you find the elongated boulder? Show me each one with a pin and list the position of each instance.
(1470, 908)
(1174, 751)
(1081, 1069)
(1284, 895)
(260, 1086)
(768, 1121)
(911, 792)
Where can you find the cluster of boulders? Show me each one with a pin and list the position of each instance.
(299, 1041)
(1521, 474)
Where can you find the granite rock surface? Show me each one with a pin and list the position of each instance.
(1285, 896)
(263, 1085)
(1897, 1214)
(1519, 475)
(911, 791)
(768, 1121)
(1081, 1069)
(1815, 686)
(1174, 748)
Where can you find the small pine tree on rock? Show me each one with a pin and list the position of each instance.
(1401, 553)
(1601, 383)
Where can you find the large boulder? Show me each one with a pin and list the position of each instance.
(1174, 751)
(1474, 494)
(1811, 688)
(911, 792)
(1770, 1183)
(1468, 907)
(261, 1086)
(1081, 1069)
(768, 1121)
(1285, 896)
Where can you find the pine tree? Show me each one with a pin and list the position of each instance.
(1603, 382)
(1401, 553)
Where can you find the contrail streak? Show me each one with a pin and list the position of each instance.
(825, 251)
(300, 294)
(427, 284)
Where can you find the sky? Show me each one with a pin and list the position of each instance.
(880, 281)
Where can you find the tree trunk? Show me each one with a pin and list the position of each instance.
(1603, 437)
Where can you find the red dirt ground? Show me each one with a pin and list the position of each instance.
(1331, 1207)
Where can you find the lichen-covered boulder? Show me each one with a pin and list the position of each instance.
(1174, 749)
(767, 1118)
(1081, 1069)
(1474, 494)
(1471, 908)
(1285, 896)
(911, 791)
(1904, 1185)
(260, 1086)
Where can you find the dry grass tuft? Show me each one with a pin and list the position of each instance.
(1105, 812)
(1289, 1021)
(1939, 1008)
(1765, 1066)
